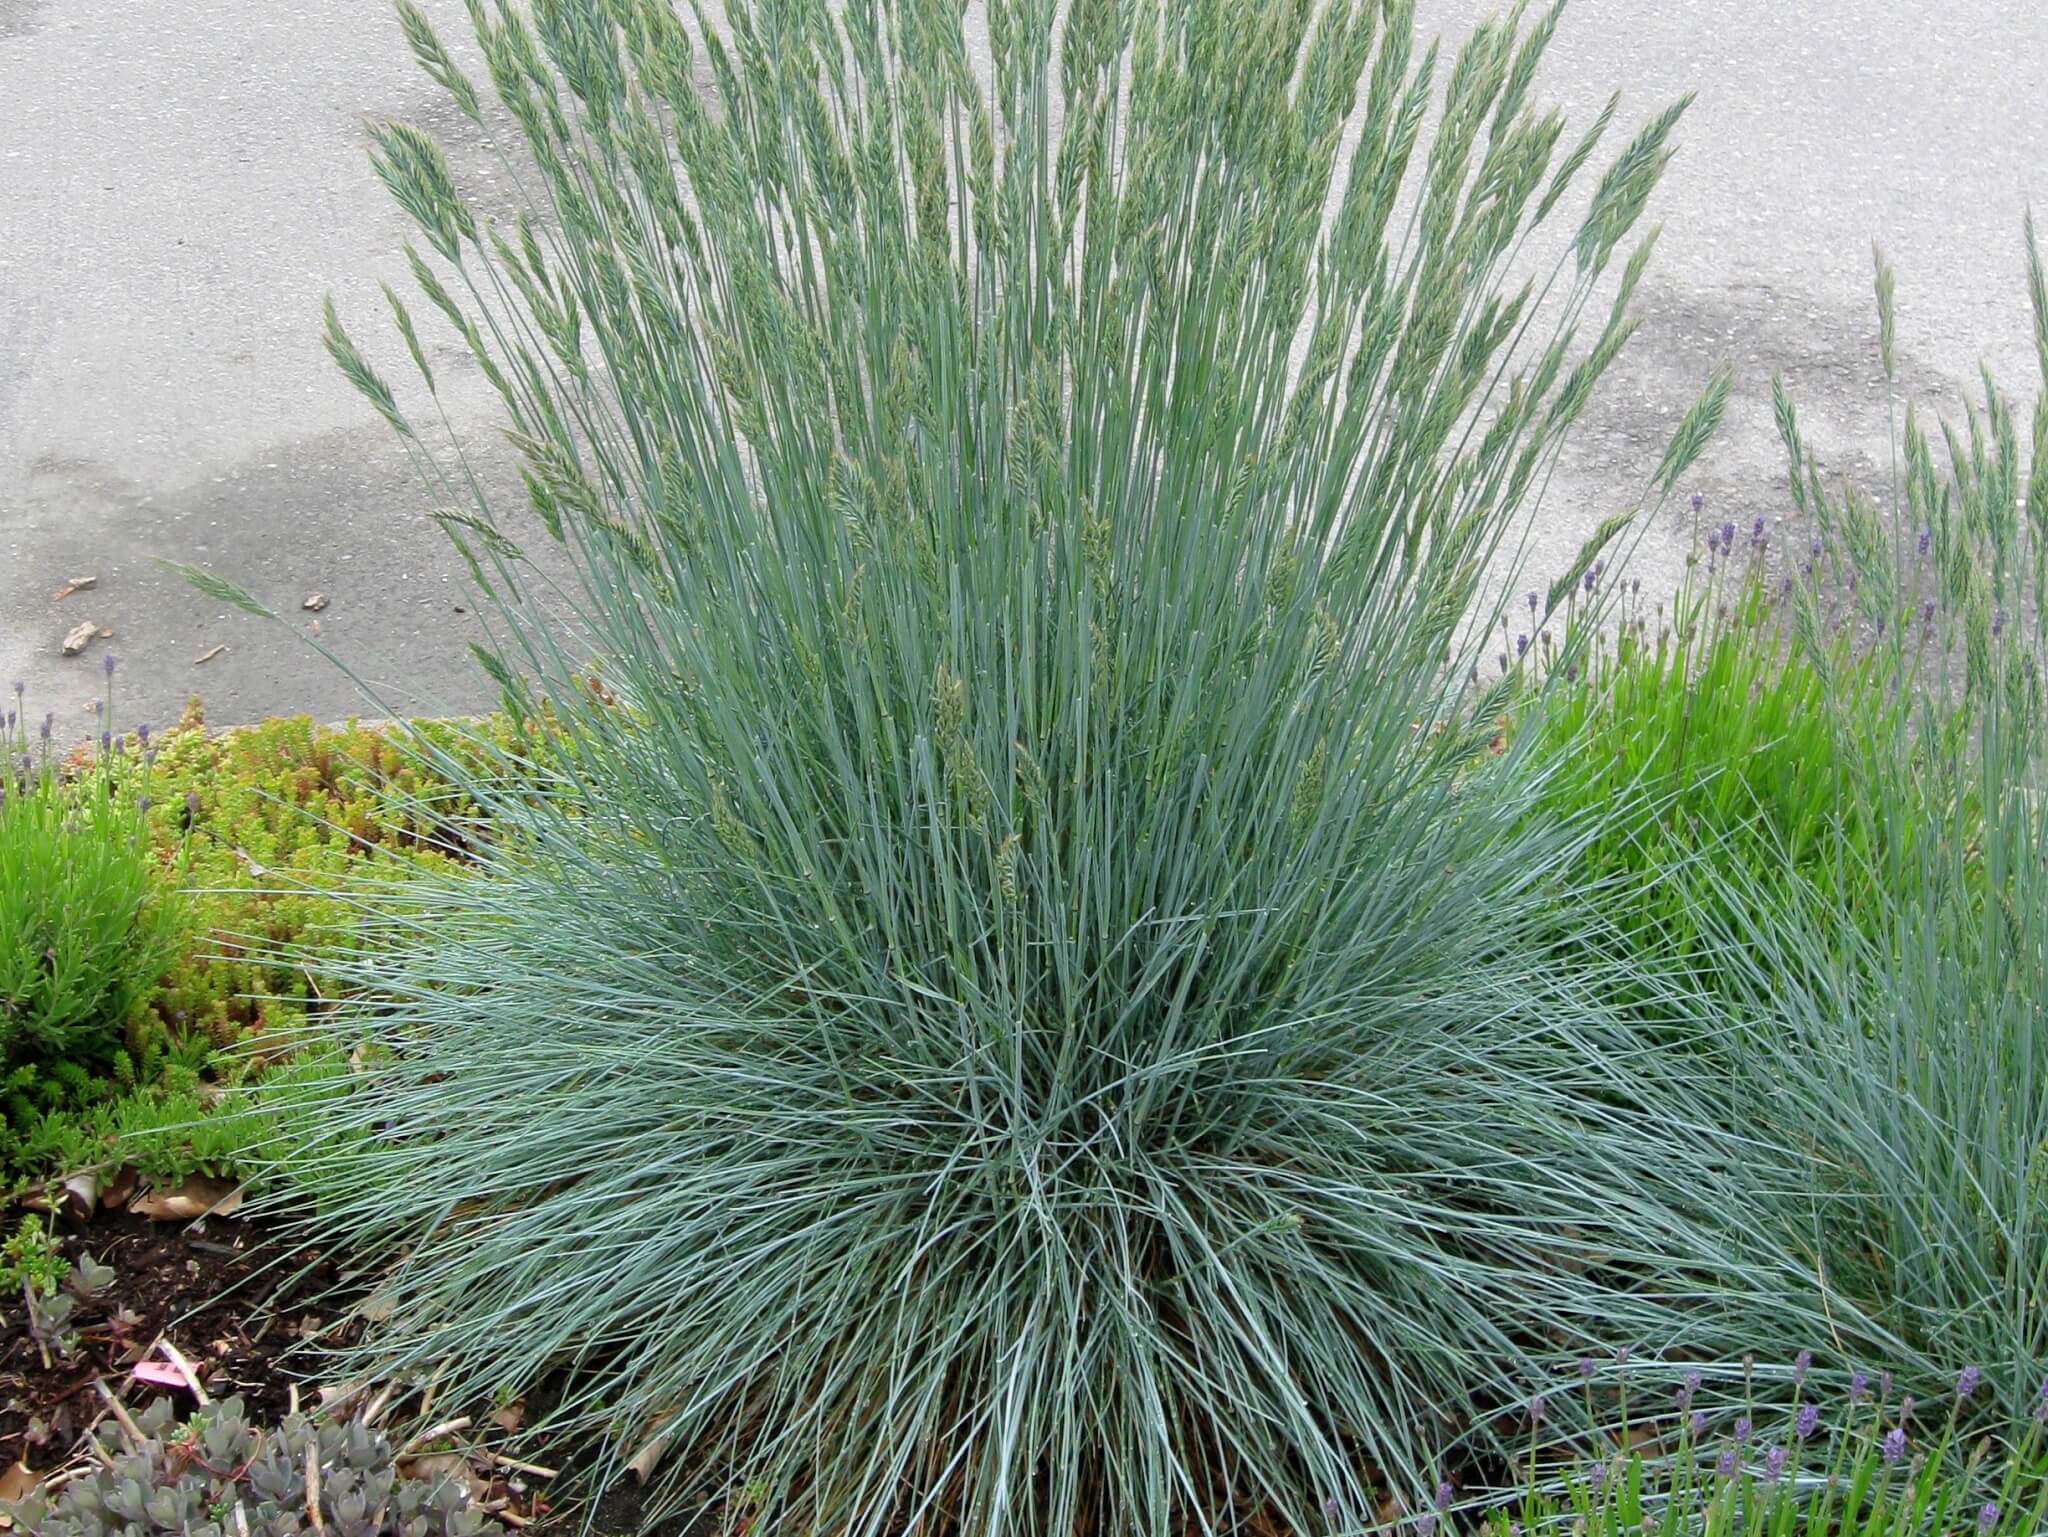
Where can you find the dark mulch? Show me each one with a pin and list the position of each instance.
(235, 1299)
(226, 1293)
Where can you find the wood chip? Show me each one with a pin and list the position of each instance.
(314, 602)
(194, 1198)
(80, 637)
(76, 584)
(81, 1194)
(201, 661)
(643, 1462)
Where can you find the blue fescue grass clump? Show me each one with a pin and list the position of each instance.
(1019, 1007)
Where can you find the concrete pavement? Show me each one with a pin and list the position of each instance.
(182, 180)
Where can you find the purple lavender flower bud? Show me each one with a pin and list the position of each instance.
(1332, 1511)
(1426, 1527)
(1926, 537)
(1742, 1431)
(1884, 1384)
(1801, 1365)
(143, 803)
(1814, 549)
(1859, 1384)
(1635, 586)
(1756, 530)
(1968, 1383)
(1728, 533)
(107, 664)
(1987, 1518)
(1730, 1461)
(1785, 587)
(1532, 602)
(1621, 1356)
(1927, 612)
(49, 722)
(1997, 623)
(1895, 1444)
(1698, 501)
(1539, 1406)
(1521, 645)
(1571, 673)
(1598, 1480)
(1590, 579)
(1807, 1422)
(142, 733)
(1699, 1424)
(2044, 1392)
(1587, 1367)
(1905, 1408)
(191, 803)
(1774, 1464)
(106, 741)
(1443, 1498)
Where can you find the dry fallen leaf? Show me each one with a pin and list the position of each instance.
(202, 660)
(76, 584)
(18, 1483)
(436, 1466)
(315, 602)
(196, 1197)
(119, 1188)
(80, 637)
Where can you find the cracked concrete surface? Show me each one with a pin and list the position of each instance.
(184, 179)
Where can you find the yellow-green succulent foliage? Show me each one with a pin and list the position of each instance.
(199, 868)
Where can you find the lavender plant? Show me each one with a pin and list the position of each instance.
(1014, 1011)
(86, 928)
(1909, 1037)
(1843, 1457)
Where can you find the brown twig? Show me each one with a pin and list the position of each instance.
(313, 1489)
(522, 1467)
(177, 1358)
(434, 1433)
(133, 1431)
